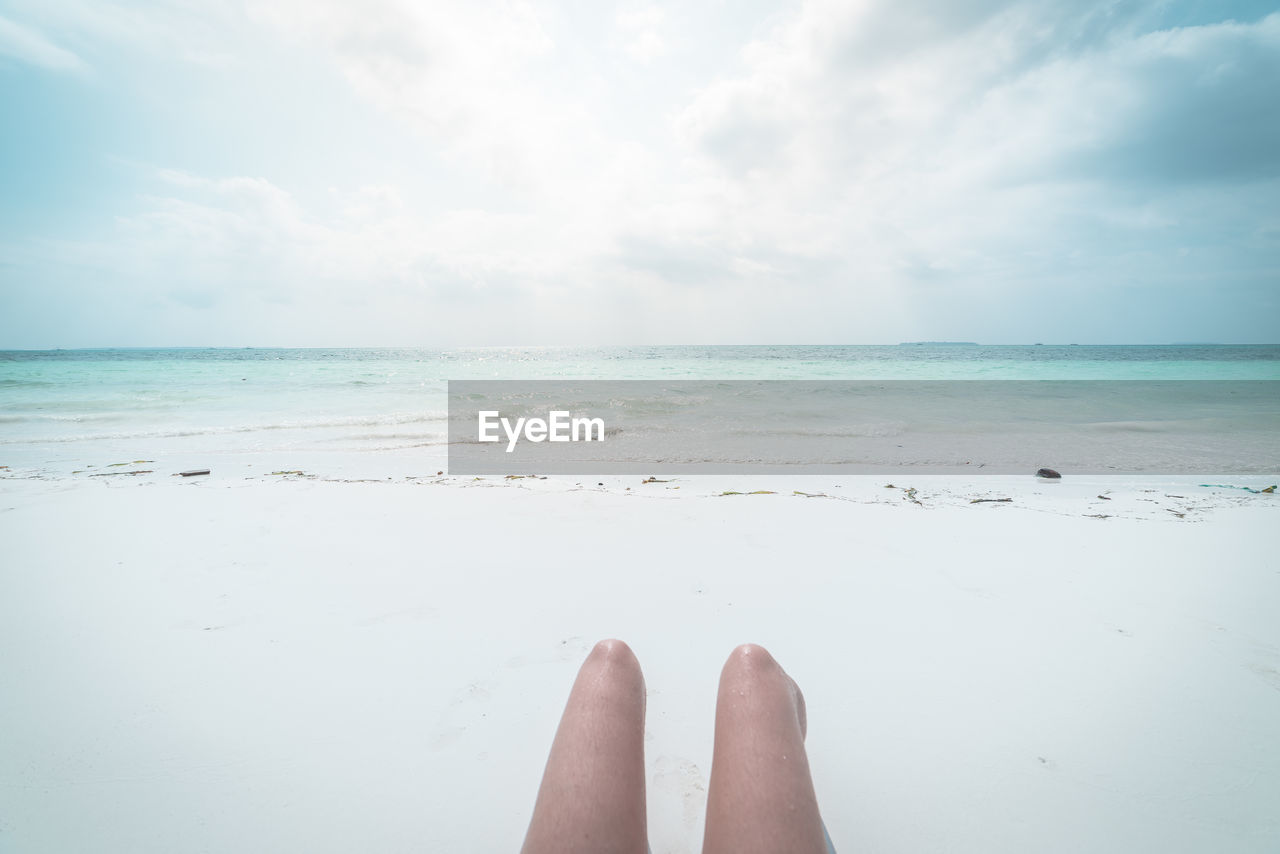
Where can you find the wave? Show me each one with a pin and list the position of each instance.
(437, 418)
(848, 431)
(439, 438)
(9, 382)
(27, 418)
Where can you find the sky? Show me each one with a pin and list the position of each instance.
(440, 174)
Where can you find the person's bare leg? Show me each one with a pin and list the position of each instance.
(592, 793)
(761, 796)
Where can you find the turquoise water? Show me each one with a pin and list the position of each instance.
(66, 402)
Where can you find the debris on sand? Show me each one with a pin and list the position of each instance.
(1270, 490)
(908, 493)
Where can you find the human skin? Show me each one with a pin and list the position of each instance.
(760, 799)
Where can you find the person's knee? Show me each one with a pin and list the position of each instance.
(752, 672)
(614, 658)
(750, 661)
(614, 651)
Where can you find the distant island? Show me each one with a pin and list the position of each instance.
(938, 344)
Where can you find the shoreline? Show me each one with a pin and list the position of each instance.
(1111, 495)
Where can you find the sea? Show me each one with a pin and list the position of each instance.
(62, 411)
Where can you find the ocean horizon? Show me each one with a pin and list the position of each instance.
(65, 408)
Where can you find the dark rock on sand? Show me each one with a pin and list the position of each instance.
(1049, 473)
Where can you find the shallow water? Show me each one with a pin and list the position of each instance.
(82, 404)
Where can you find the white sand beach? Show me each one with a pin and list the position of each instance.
(303, 662)
(392, 281)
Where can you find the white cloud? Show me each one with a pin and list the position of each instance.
(640, 32)
(871, 170)
(975, 160)
(30, 46)
(461, 74)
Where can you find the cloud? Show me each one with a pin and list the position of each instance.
(463, 75)
(28, 45)
(241, 260)
(1191, 106)
(640, 32)
(871, 170)
(122, 32)
(901, 144)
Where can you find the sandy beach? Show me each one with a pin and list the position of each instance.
(364, 365)
(312, 661)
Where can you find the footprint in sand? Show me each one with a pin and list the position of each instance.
(461, 713)
(467, 706)
(677, 787)
(416, 614)
(569, 649)
(1266, 658)
(1266, 673)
